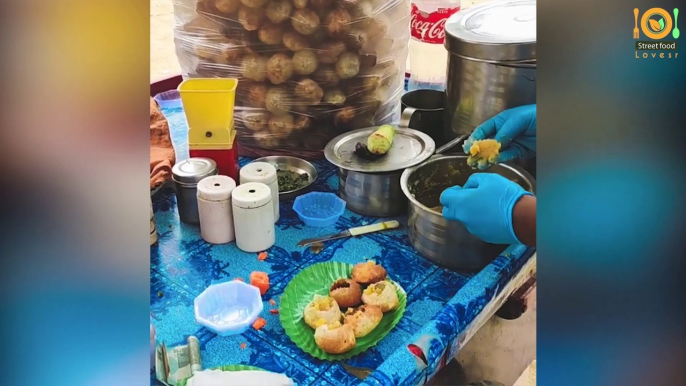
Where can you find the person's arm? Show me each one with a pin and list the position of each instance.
(524, 220)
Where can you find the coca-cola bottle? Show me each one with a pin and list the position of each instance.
(428, 56)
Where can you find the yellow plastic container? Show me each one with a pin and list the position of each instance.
(210, 139)
(208, 102)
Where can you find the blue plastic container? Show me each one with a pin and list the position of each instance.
(228, 308)
(169, 99)
(318, 209)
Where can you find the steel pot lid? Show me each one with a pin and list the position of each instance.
(410, 148)
(501, 30)
(192, 170)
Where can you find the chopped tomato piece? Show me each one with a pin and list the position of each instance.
(262, 256)
(244, 345)
(272, 302)
(260, 280)
(274, 310)
(259, 323)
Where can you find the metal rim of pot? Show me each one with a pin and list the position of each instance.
(409, 171)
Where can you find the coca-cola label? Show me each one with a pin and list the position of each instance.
(430, 27)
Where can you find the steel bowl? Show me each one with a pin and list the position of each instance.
(293, 164)
(449, 243)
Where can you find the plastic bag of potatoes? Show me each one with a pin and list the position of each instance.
(308, 70)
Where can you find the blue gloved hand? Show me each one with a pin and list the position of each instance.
(515, 129)
(484, 205)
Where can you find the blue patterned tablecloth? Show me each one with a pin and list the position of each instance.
(442, 306)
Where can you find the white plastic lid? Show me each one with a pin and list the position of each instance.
(258, 172)
(251, 195)
(216, 188)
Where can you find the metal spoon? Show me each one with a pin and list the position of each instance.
(675, 32)
(451, 144)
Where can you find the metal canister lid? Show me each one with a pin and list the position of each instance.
(501, 30)
(410, 147)
(192, 170)
(251, 195)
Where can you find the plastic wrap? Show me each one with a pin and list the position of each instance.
(308, 70)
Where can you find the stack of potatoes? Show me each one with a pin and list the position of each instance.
(308, 70)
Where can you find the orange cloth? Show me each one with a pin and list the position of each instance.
(162, 156)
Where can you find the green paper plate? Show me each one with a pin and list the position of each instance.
(226, 368)
(317, 279)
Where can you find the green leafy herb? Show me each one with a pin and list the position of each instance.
(289, 180)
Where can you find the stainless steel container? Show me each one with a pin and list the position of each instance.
(372, 188)
(186, 175)
(294, 164)
(491, 62)
(372, 194)
(448, 243)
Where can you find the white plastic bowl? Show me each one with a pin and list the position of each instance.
(228, 308)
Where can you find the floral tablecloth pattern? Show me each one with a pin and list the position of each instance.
(443, 306)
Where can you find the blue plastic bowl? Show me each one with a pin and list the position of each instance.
(228, 308)
(319, 209)
(169, 99)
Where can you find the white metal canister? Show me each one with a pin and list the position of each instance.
(253, 217)
(214, 209)
(264, 173)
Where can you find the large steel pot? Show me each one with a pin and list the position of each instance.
(491, 64)
(477, 91)
(448, 243)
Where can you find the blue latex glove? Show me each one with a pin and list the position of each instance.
(484, 205)
(515, 129)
